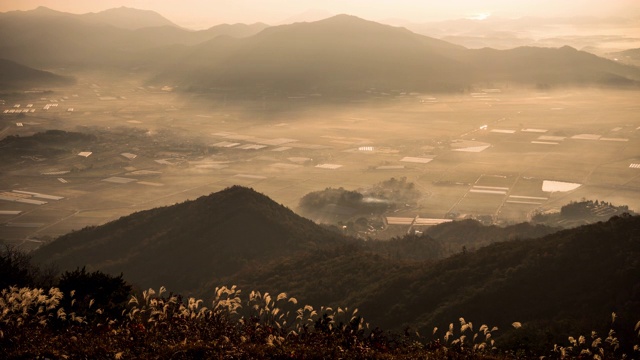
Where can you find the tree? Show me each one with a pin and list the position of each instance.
(95, 290)
(16, 268)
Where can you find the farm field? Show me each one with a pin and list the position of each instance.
(487, 155)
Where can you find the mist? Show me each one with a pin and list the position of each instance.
(148, 114)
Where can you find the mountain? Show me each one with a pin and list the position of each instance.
(242, 237)
(49, 39)
(18, 76)
(631, 53)
(122, 17)
(507, 33)
(128, 18)
(348, 53)
(188, 244)
(342, 52)
(170, 35)
(472, 235)
(307, 16)
(118, 38)
(631, 56)
(334, 56)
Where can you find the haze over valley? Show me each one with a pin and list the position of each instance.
(294, 109)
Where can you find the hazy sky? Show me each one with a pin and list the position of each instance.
(204, 13)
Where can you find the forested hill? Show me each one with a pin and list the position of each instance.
(233, 233)
(183, 245)
(572, 279)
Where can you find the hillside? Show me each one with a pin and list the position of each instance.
(228, 235)
(365, 264)
(631, 56)
(17, 76)
(549, 67)
(472, 235)
(187, 244)
(573, 279)
(238, 236)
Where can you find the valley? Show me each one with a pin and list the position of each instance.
(490, 154)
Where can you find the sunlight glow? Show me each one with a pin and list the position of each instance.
(480, 16)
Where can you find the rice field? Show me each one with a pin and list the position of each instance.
(558, 186)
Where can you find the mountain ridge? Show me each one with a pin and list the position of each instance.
(346, 52)
(339, 55)
(129, 18)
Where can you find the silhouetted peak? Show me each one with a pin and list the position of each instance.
(350, 21)
(130, 18)
(568, 48)
(127, 10)
(45, 11)
(238, 196)
(344, 18)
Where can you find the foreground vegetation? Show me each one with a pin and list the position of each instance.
(531, 293)
(41, 324)
(98, 316)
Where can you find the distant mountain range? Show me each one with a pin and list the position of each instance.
(113, 38)
(238, 236)
(631, 56)
(345, 52)
(506, 33)
(128, 18)
(337, 54)
(123, 17)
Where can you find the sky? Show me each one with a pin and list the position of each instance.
(198, 14)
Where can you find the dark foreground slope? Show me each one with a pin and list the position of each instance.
(356, 270)
(184, 245)
(562, 285)
(572, 279)
(568, 281)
